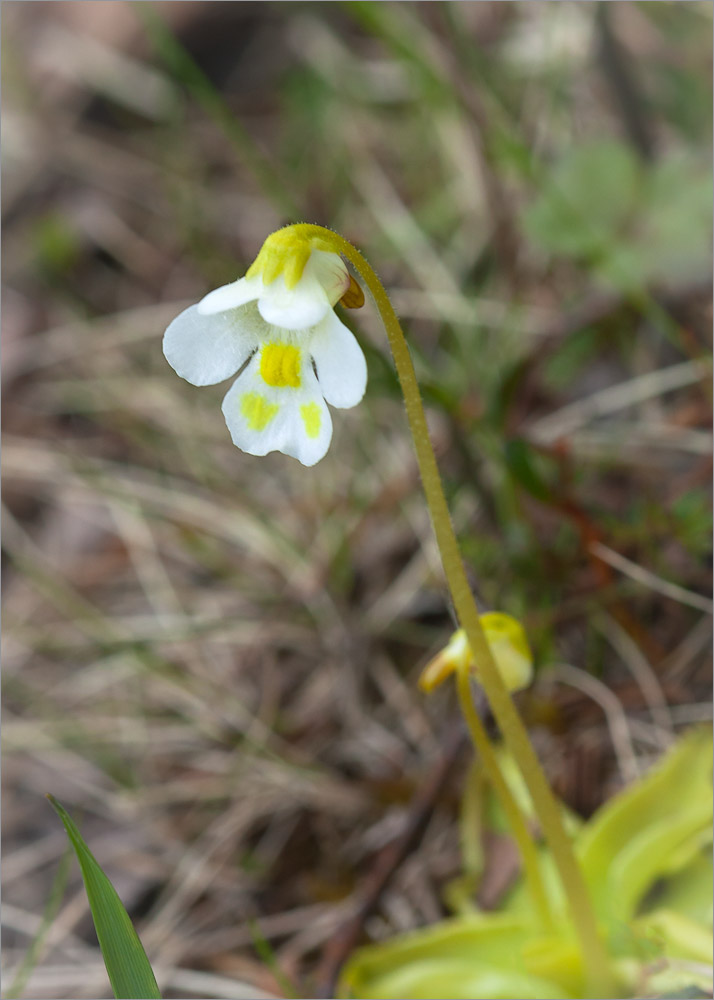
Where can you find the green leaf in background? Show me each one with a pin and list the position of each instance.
(634, 225)
(522, 463)
(651, 829)
(585, 201)
(57, 245)
(646, 857)
(689, 891)
(676, 233)
(692, 516)
(128, 967)
(476, 956)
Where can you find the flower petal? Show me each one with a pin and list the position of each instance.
(208, 349)
(263, 418)
(237, 293)
(340, 363)
(330, 271)
(294, 308)
(324, 280)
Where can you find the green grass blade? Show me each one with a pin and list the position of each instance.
(185, 70)
(267, 955)
(128, 967)
(33, 954)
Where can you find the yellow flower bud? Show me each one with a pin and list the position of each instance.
(507, 641)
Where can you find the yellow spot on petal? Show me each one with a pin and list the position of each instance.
(280, 365)
(257, 411)
(312, 418)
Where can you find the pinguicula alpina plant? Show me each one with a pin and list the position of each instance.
(599, 904)
(281, 306)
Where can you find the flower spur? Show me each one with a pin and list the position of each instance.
(276, 327)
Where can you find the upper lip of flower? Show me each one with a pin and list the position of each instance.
(290, 350)
(293, 305)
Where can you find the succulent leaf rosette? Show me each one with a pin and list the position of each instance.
(646, 857)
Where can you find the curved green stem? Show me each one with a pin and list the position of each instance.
(509, 721)
(514, 815)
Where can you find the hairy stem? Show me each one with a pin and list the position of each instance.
(512, 728)
(519, 828)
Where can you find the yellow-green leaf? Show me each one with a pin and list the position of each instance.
(475, 956)
(638, 836)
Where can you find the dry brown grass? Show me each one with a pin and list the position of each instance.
(210, 658)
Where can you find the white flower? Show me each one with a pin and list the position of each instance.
(276, 327)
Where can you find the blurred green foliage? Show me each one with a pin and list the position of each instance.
(632, 224)
(479, 157)
(646, 856)
(57, 244)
